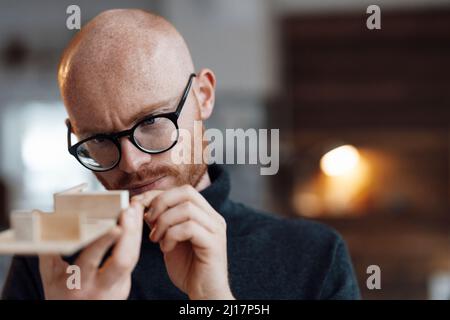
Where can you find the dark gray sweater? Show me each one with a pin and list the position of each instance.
(269, 258)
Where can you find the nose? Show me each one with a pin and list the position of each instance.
(132, 158)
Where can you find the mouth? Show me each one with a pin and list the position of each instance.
(143, 187)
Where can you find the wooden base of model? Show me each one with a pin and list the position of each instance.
(78, 219)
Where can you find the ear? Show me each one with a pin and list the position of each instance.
(205, 92)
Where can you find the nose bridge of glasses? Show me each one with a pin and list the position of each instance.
(124, 134)
(119, 136)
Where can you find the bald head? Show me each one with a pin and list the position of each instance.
(122, 60)
(124, 66)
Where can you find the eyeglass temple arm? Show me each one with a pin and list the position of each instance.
(69, 130)
(185, 94)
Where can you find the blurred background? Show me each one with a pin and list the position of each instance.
(364, 118)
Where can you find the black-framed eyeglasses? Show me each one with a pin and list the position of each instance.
(153, 134)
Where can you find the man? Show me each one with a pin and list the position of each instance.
(128, 81)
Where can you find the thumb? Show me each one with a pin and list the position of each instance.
(51, 267)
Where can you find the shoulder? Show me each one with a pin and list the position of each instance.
(295, 240)
(308, 257)
(247, 220)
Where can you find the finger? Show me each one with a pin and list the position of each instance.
(51, 267)
(186, 231)
(131, 222)
(181, 213)
(90, 258)
(125, 254)
(175, 196)
(146, 197)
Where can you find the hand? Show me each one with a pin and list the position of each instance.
(113, 279)
(192, 237)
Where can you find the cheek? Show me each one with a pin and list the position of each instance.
(108, 178)
(190, 114)
(162, 159)
(191, 124)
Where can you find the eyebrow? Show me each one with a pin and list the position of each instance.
(164, 106)
(157, 108)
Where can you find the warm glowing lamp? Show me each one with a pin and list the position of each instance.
(340, 161)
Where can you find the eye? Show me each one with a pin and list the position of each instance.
(98, 143)
(148, 122)
(98, 140)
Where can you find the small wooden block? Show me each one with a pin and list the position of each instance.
(79, 188)
(26, 225)
(94, 205)
(60, 227)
